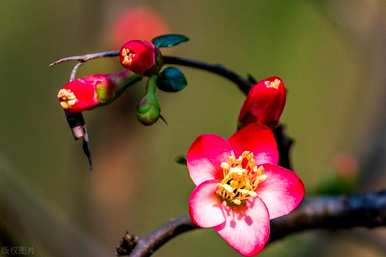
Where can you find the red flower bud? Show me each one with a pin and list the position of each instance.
(264, 104)
(91, 91)
(139, 56)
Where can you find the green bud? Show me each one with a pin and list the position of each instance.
(148, 109)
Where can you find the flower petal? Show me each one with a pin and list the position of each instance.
(246, 228)
(205, 207)
(281, 192)
(205, 156)
(258, 140)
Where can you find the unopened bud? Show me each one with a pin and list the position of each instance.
(264, 104)
(140, 56)
(94, 90)
(148, 109)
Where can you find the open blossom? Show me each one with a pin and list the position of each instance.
(264, 103)
(91, 91)
(239, 186)
(139, 56)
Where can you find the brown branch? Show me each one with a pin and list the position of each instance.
(218, 69)
(343, 212)
(335, 212)
(284, 146)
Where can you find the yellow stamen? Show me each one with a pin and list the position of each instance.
(127, 56)
(241, 177)
(66, 98)
(273, 84)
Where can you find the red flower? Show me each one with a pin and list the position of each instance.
(90, 91)
(139, 56)
(240, 187)
(264, 104)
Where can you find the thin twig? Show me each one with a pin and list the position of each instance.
(343, 212)
(86, 57)
(75, 70)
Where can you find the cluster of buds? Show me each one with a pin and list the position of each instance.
(140, 59)
(264, 104)
(138, 56)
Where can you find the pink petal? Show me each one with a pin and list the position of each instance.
(258, 140)
(246, 228)
(281, 192)
(205, 207)
(205, 156)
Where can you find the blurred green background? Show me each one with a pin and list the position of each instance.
(331, 54)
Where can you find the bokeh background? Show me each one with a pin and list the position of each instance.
(331, 54)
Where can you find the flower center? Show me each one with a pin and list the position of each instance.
(66, 98)
(272, 84)
(127, 56)
(241, 178)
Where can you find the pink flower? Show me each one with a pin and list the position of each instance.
(139, 56)
(239, 186)
(264, 104)
(91, 91)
